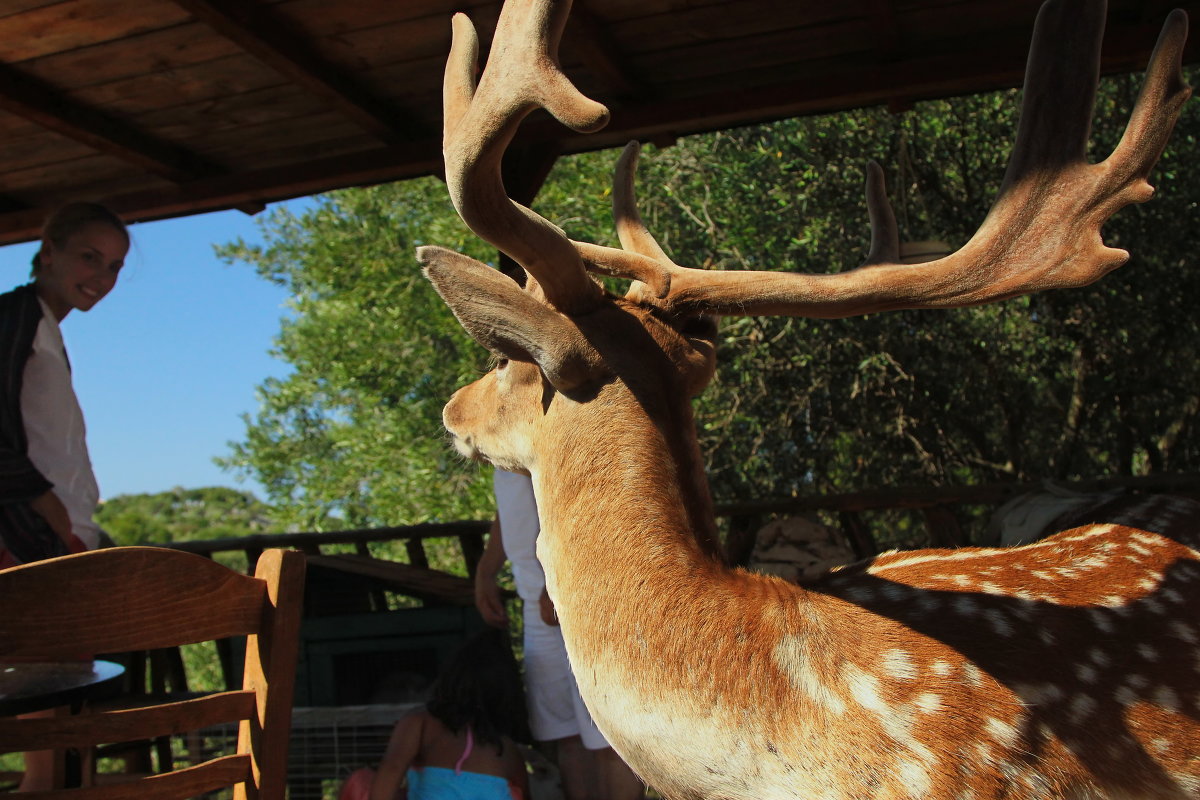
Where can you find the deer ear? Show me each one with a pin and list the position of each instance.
(509, 321)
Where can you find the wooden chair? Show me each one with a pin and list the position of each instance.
(140, 598)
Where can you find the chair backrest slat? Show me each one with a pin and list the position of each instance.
(125, 598)
(178, 785)
(127, 725)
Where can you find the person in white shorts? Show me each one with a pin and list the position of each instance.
(590, 769)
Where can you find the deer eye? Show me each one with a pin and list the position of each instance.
(501, 363)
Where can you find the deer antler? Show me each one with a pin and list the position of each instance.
(522, 73)
(1043, 232)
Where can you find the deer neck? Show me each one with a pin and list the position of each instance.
(655, 496)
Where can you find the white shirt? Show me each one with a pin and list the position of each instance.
(55, 430)
(519, 529)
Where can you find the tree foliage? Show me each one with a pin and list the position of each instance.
(183, 515)
(1069, 384)
(350, 438)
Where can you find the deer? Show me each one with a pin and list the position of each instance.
(1067, 668)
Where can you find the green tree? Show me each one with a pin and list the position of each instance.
(1067, 384)
(351, 438)
(182, 515)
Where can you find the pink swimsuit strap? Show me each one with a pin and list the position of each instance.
(466, 752)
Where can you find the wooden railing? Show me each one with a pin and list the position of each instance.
(937, 508)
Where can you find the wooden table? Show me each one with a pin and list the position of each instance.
(27, 686)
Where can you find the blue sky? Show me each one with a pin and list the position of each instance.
(165, 366)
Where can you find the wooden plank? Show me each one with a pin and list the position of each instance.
(39, 103)
(81, 177)
(590, 40)
(271, 671)
(14, 7)
(190, 124)
(194, 83)
(417, 581)
(164, 50)
(427, 530)
(80, 23)
(171, 588)
(210, 776)
(267, 39)
(672, 31)
(126, 725)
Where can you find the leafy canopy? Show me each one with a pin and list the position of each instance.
(1069, 384)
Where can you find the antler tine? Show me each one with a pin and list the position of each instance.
(642, 259)
(1043, 232)
(885, 234)
(522, 73)
(1147, 133)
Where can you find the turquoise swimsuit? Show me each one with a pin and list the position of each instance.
(440, 783)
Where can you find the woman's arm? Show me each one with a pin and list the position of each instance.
(488, 598)
(402, 750)
(51, 509)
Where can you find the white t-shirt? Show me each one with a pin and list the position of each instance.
(519, 528)
(55, 430)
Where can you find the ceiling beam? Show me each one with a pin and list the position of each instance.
(48, 108)
(252, 189)
(268, 38)
(593, 43)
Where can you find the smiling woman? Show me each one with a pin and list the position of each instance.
(47, 488)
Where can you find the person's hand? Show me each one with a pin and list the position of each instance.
(490, 601)
(546, 608)
(51, 509)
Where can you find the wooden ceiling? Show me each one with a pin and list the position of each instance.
(170, 107)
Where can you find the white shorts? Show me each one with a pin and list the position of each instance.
(556, 710)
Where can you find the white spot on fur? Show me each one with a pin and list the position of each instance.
(973, 675)
(1082, 707)
(1182, 630)
(859, 594)
(1101, 620)
(865, 689)
(792, 659)
(899, 665)
(915, 778)
(998, 622)
(1038, 693)
(1086, 673)
(928, 703)
(942, 668)
(1001, 731)
(1147, 652)
(1165, 697)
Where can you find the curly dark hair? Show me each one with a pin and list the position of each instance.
(481, 686)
